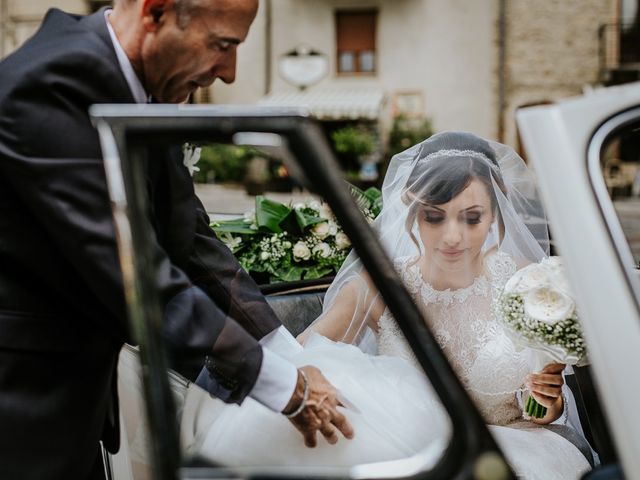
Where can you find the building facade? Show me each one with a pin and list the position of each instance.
(19, 19)
(463, 64)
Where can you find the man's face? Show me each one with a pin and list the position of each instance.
(177, 59)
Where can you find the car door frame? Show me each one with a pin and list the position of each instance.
(564, 142)
(125, 131)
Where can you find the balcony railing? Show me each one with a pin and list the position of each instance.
(619, 51)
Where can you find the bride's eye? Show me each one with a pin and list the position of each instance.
(473, 218)
(433, 217)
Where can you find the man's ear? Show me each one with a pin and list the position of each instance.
(154, 11)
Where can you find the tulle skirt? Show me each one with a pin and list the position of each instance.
(397, 415)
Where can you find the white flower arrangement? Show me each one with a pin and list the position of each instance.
(538, 309)
(292, 242)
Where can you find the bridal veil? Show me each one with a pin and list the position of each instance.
(436, 171)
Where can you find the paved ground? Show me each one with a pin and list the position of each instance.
(232, 200)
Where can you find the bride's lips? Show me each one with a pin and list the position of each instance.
(451, 253)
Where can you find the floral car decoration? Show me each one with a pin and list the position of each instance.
(283, 243)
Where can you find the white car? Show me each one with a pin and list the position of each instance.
(570, 144)
(595, 225)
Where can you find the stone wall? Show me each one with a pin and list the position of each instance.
(19, 19)
(551, 51)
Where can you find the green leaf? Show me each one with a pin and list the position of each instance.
(237, 225)
(304, 220)
(362, 201)
(290, 224)
(290, 274)
(317, 272)
(375, 200)
(373, 194)
(269, 214)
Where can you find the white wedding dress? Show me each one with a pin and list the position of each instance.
(398, 414)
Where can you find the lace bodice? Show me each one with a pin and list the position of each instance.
(464, 324)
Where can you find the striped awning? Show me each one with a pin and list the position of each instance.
(331, 104)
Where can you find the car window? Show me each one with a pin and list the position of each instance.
(285, 236)
(620, 161)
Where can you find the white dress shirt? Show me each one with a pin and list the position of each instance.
(278, 377)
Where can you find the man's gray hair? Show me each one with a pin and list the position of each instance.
(184, 9)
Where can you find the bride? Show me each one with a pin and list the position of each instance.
(460, 216)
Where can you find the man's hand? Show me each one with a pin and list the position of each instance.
(320, 410)
(546, 388)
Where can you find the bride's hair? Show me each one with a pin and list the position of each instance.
(444, 167)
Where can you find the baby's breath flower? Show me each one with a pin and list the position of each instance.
(315, 205)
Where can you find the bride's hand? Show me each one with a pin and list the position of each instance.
(546, 388)
(320, 410)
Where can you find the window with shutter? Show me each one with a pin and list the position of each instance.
(356, 41)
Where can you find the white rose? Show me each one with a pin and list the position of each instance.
(301, 251)
(322, 249)
(264, 256)
(548, 305)
(325, 212)
(333, 228)
(320, 230)
(530, 277)
(560, 282)
(556, 275)
(342, 241)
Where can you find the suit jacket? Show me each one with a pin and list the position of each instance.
(62, 309)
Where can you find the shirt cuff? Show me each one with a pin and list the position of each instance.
(276, 381)
(281, 341)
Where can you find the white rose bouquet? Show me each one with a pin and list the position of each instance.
(539, 312)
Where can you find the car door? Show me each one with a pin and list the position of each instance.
(585, 152)
(126, 134)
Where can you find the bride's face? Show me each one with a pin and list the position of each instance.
(453, 233)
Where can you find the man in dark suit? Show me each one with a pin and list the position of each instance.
(62, 309)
